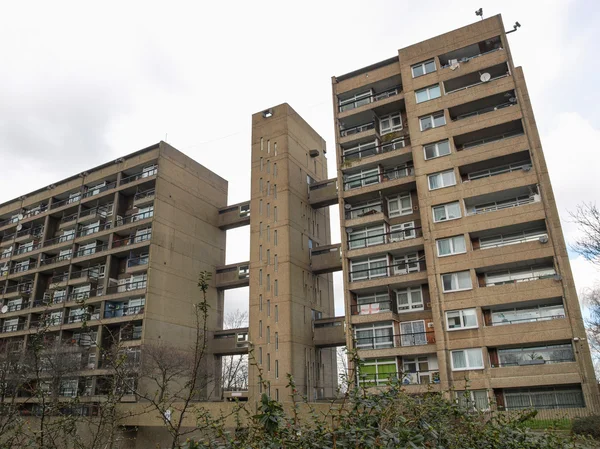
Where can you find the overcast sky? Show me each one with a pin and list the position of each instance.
(80, 86)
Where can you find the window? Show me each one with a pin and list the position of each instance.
(268, 257)
(361, 179)
(276, 313)
(260, 277)
(268, 334)
(390, 123)
(260, 185)
(275, 262)
(461, 319)
(519, 275)
(528, 314)
(275, 214)
(413, 333)
(512, 238)
(451, 245)
(466, 359)
(536, 355)
(423, 68)
(441, 180)
(368, 304)
(375, 336)
(377, 371)
(260, 359)
(544, 398)
(399, 205)
(445, 212)
(260, 303)
(275, 238)
(453, 282)
(276, 341)
(409, 299)
(275, 191)
(260, 206)
(355, 101)
(360, 150)
(268, 210)
(408, 263)
(268, 307)
(260, 328)
(275, 169)
(368, 269)
(277, 371)
(428, 93)
(402, 231)
(366, 237)
(434, 120)
(261, 164)
(260, 252)
(473, 400)
(268, 282)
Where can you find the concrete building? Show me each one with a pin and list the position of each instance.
(454, 262)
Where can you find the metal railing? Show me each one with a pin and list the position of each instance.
(141, 195)
(363, 211)
(129, 286)
(386, 237)
(59, 239)
(8, 221)
(371, 308)
(101, 212)
(27, 249)
(33, 232)
(23, 268)
(374, 97)
(82, 296)
(361, 153)
(405, 378)
(133, 218)
(357, 129)
(5, 255)
(36, 211)
(479, 142)
(69, 218)
(89, 251)
(137, 261)
(92, 273)
(98, 190)
(477, 83)
(399, 269)
(132, 240)
(526, 320)
(8, 237)
(55, 259)
(123, 310)
(65, 201)
(506, 204)
(527, 279)
(17, 307)
(24, 288)
(143, 174)
(468, 58)
(395, 340)
(61, 277)
(529, 362)
(89, 231)
(13, 327)
(378, 178)
(484, 110)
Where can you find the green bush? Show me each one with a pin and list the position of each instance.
(590, 425)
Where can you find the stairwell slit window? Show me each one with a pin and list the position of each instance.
(428, 93)
(461, 319)
(467, 359)
(434, 120)
(451, 245)
(442, 179)
(446, 212)
(437, 149)
(453, 282)
(423, 68)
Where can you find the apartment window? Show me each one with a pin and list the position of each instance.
(268, 210)
(461, 319)
(268, 188)
(512, 238)
(473, 400)
(268, 166)
(402, 231)
(275, 169)
(467, 359)
(275, 191)
(428, 93)
(544, 398)
(445, 212)
(371, 303)
(434, 120)
(378, 371)
(276, 313)
(361, 150)
(409, 299)
(368, 269)
(275, 148)
(413, 333)
(423, 68)
(451, 245)
(268, 147)
(355, 101)
(361, 179)
(528, 314)
(366, 237)
(453, 282)
(390, 123)
(260, 185)
(276, 288)
(375, 335)
(440, 180)
(408, 263)
(260, 358)
(399, 205)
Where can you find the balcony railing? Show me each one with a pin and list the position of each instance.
(69, 218)
(371, 308)
(479, 142)
(35, 211)
(361, 153)
(55, 259)
(57, 204)
(7, 237)
(364, 211)
(137, 261)
(28, 248)
(129, 286)
(33, 232)
(133, 218)
(98, 190)
(89, 231)
(126, 311)
(468, 58)
(24, 288)
(395, 340)
(59, 239)
(23, 268)
(5, 255)
(82, 252)
(469, 86)
(526, 279)
(505, 321)
(506, 204)
(378, 178)
(529, 362)
(8, 221)
(399, 269)
(82, 296)
(60, 277)
(142, 195)
(13, 327)
(101, 212)
(357, 129)
(418, 378)
(131, 240)
(345, 105)
(151, 171)
(386, 237)
(484, 110)
(17, 307)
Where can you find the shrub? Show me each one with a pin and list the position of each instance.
(590, 425)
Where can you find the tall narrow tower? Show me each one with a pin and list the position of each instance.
(285, 295)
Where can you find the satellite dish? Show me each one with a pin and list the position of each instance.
(349, 230)
(20, 216)
(19, 227)
(512, 99)
(347, 206)
(4, 309)
(485, 77)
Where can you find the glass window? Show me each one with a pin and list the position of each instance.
(361, 238)
(466, 359)
(432, 121)
(409, 299)
(456, 281)
(375, 336)
(442, 179)
(390, 123)
(428, 93)
(413, 333)
(402, 231)
(355, 101)
(368, 304)
(473, 400)
(451, 245)
(445, 212)
(544, 398)
(423, 68)
(437, 149)
(536, 355)
(408, 263)
(512, 238)
(361, 150)
(377, 371)
(361, 179)
(461, 319)
(399, 205)
(368, 268)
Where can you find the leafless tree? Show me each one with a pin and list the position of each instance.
(234, 368)
(342, 366)
(591, 299)
(587, 218)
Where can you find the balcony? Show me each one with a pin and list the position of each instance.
(10, 327)
(378, 178)
(233, 276)
(145, 173)
(72, 199)
(88, 250)
(353, 155)
(382, 91)
(134, 218)
(9, 221)
(465, 54)
(326, 259)
(382, 238)
(504, 199)
(50, 260)
(234, 216)
(95, 214)
(98, 189)
(531, 355)
(536, 311)
(488, 135)
(29, 233)
(378, 267)
(510, 274)
(83, 295)
(137, 264)
(62, 239)
(496, 166)
(395, 340)
(25, 248)
(133, 239)
(68, 221)
(86, 276)
(357, 129)
(118, 310)
(483, 106)
(329, 332)
(145, 198)
(509, 235)
(323, 193)
(405, 378)
(16, 290)
(127, 287)
(476, 78)
(230, 342)
(23, 267)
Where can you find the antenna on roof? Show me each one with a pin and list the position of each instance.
(479, 13)
(516, 26)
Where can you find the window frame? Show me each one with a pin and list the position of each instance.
(453, 251)
(441, 174)
(391, 128)
(401, 211)
(423, 66)
(428, 91)
(432, 117)
(446, 211)
(456, 273)
(467, 367)
(461, 316)
(410, 305)
(436, 146)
